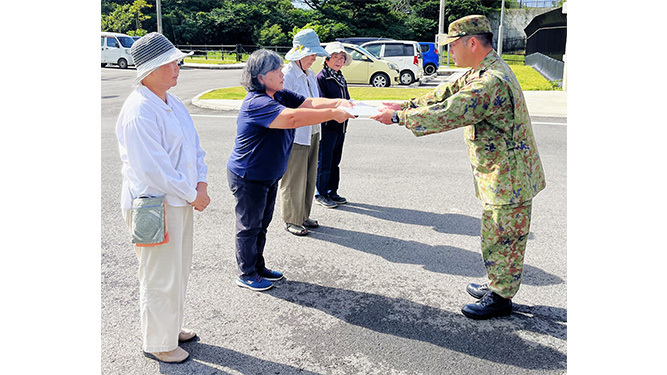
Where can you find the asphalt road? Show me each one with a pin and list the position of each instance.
(377, 289)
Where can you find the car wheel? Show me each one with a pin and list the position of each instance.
(430, 69)
(380, 80)
(122, 63)
(104, 64)
(407, 77)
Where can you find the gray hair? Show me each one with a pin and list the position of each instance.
(260, 62)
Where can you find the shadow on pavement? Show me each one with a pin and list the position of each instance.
(442, 223)
(494, 340)
(203, 354)
(442, 259)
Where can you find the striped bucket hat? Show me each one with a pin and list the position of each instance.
(151, 52)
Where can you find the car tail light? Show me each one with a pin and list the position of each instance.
(436, 51)
(416, 62)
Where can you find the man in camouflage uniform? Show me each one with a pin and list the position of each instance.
(488, 101)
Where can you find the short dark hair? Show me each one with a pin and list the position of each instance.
(486, 39)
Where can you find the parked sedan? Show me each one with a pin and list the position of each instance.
(365, 68)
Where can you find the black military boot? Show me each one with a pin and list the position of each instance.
(476, 290)
(491, 305)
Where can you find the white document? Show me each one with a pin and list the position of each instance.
(362, 109)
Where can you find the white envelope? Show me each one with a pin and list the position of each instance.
(362, 110)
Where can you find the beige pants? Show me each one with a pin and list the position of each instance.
(297, 187)
(163, 278)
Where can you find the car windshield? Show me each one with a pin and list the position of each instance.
(365, 51)
(126, 41)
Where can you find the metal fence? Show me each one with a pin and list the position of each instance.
(237, 52)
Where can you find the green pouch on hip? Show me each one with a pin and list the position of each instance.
(149, 221)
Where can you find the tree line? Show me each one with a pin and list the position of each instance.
(274, 22)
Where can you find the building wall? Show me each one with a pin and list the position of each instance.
(514, 21)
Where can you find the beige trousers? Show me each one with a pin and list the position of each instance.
(297, 186)
(163, 278)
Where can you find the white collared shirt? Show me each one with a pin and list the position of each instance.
(151, 136)
(306, 85)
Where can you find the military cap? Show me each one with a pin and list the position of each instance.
(468, 25)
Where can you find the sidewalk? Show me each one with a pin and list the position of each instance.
(540, 103)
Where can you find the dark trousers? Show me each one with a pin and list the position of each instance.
(328, 173)
(255, 201)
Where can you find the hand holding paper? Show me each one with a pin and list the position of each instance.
(384, 116)
(346, 103)
(391, 105)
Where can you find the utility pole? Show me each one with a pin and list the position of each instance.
(441, 26)
(158, 9)
(500, 29)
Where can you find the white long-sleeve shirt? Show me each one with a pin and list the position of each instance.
(305, 84)
(151, 135)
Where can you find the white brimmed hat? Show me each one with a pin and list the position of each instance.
(305, 43)
(335, 47)
(151, 52)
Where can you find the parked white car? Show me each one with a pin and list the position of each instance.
(116, 49)
(405, 53)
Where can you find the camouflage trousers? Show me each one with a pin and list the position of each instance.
(504, 235)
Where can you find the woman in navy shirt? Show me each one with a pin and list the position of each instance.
(264, 138)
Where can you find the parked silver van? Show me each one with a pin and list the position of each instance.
(406, 54)
(116, 49)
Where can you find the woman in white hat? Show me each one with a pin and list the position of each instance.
(332, 85)
(161, 156)
(297, 187)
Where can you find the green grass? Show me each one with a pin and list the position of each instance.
(236, 92)
(203, 60)
(218, 57)
(529, 79)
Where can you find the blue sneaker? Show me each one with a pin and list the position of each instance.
(254, 282)
(270, 275)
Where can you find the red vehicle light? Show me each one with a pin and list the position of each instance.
(416, 62)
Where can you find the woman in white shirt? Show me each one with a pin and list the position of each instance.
(297, 186)
(161, 156)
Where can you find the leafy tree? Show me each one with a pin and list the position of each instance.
(272, 35)
(274, 22)
(456, 9)
(325, 33)
(126, 18)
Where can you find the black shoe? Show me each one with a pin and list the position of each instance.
(325, 201)
(476, 290)
(338, 199)
(491, 305)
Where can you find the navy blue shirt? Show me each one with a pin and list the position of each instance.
(261, 153)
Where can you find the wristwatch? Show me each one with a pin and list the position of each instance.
(394, 117)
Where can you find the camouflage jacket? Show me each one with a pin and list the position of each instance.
(489, 103)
